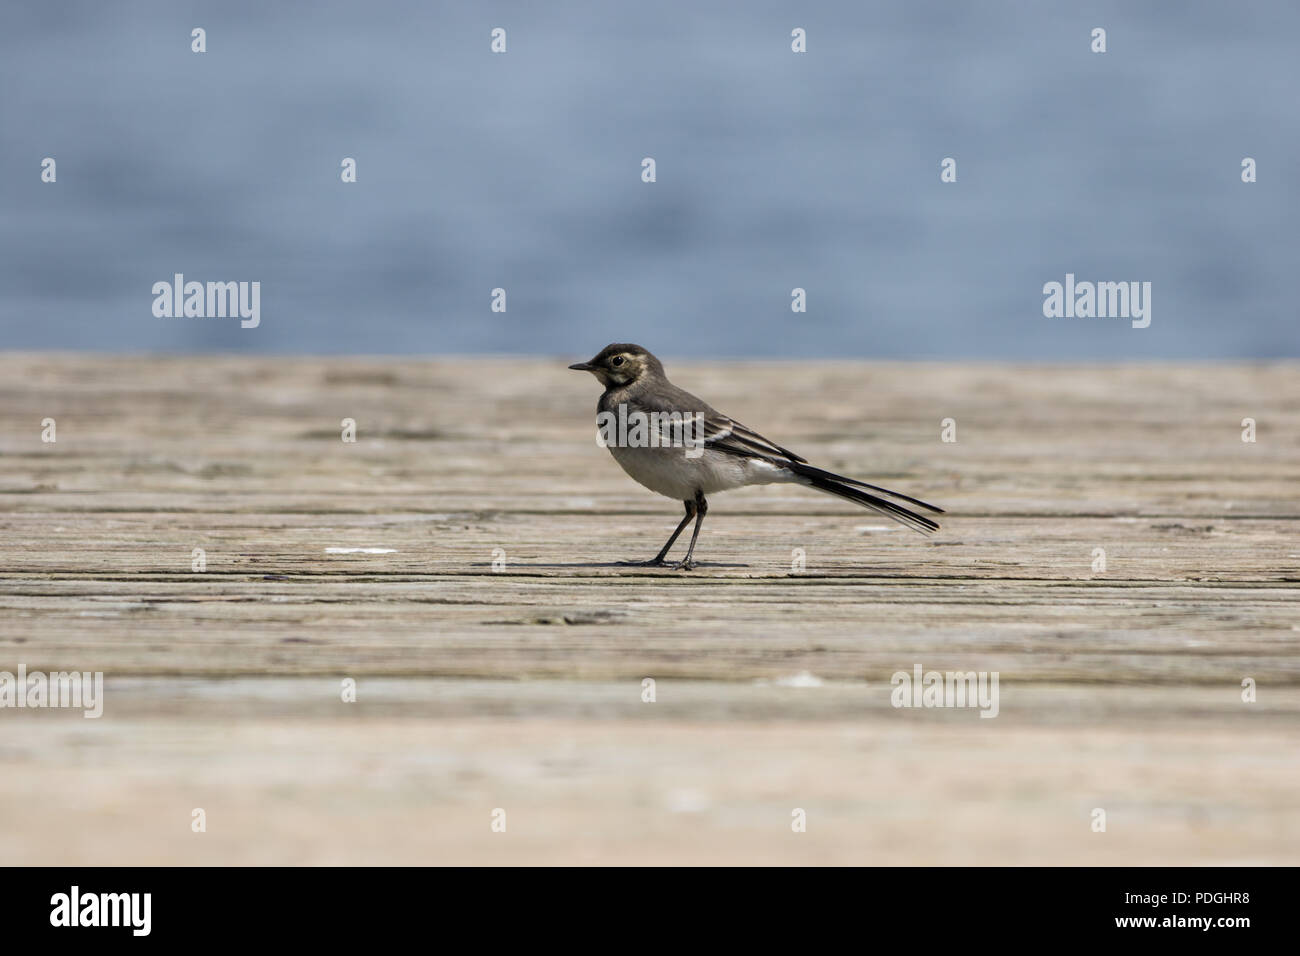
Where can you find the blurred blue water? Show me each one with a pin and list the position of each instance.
(775, 170)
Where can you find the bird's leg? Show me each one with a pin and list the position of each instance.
(658, 559)
(701, 509)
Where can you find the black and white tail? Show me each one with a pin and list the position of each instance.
(850, 489)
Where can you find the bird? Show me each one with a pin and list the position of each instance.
(690, 450)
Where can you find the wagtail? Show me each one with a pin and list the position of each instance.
(680, 447)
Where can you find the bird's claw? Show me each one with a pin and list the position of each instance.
(652, 563)
(684, 566)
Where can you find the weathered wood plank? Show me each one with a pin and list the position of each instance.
(520, 686)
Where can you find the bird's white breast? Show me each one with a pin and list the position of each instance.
(670, 472)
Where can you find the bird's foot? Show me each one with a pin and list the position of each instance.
(652, 563)
(686, 565)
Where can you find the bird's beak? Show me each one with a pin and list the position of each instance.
(581, 366)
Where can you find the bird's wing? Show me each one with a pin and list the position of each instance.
(723, 434)
(694, 420)
(714, 430)
(727, 435)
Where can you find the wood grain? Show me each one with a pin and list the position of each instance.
(521, 687)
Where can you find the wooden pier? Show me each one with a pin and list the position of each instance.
(1113, 550)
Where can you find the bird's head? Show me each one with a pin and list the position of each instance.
(621, 364)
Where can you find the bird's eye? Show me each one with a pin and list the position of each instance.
(616, 361)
